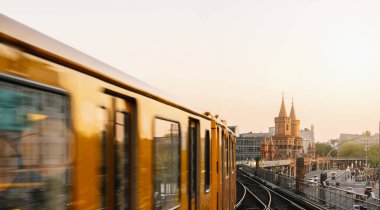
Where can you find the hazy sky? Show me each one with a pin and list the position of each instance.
(235, 57)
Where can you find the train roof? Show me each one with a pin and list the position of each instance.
(44, 46)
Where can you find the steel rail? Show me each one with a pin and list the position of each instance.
(242, 198)
(281, 196)
(266, 206)
(270, 191)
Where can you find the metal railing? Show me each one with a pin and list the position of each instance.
(330, 197)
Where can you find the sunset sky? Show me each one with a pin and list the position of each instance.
(235, 58)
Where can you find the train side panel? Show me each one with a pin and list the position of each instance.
(122, 149)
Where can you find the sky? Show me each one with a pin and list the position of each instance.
(232, 57)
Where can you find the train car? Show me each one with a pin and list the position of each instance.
(224, 172)
(76, 133)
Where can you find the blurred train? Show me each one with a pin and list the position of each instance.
(76, 133)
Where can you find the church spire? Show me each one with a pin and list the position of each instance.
(292, 112)
(264, 141)
(271, 142)
(282, 110)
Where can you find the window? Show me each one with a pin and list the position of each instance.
(167, 164)
(32, 169)
(122, 165)
(193, 156)
(226, 153)
(233, 156)
(207, 161)
(102, 117)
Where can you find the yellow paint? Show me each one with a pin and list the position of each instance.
(86, 95)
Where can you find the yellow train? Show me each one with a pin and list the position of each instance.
(76, 133)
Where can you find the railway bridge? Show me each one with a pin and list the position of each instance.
(343, 162)
(313, 194)
(287, 166)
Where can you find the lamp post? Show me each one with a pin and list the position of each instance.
(323, 177)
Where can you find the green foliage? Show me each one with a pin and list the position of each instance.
(322, 149)
(366, 133)
(373, 155)
(351, 150)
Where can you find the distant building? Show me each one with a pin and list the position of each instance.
(251, 134)
(307, 136)
(272, 131)
(281, 142)
(248, 146)
(357, 139)
(287, 139)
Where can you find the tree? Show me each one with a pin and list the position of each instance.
(351, 150)
(366, 133)
(322, 149)
(373, 155)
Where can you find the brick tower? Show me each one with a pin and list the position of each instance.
(282, 138)
(271, 150)
(297, 148)
(287, 139)
(264, 149)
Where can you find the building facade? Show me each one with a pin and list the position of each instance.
(307, 136)
(248, 146)
(283, 141)
(267, 149)
(357, 139)
(287, 140)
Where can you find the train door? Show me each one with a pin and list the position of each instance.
(117, 153)
(233, 173)
(218, 168)
(231, 203)
(226, 174)
(193, 164)
(222, 167)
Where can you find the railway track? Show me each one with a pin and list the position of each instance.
(248, 200)
(257, 196)
(240, 193)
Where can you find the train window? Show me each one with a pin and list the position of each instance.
(229, 154)
(207, 161)
(166, 164)
(233, 156)
(35, 148)
(193, 156)
(122, 170)
(227, 157)
(222, 152)
(102, 118)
